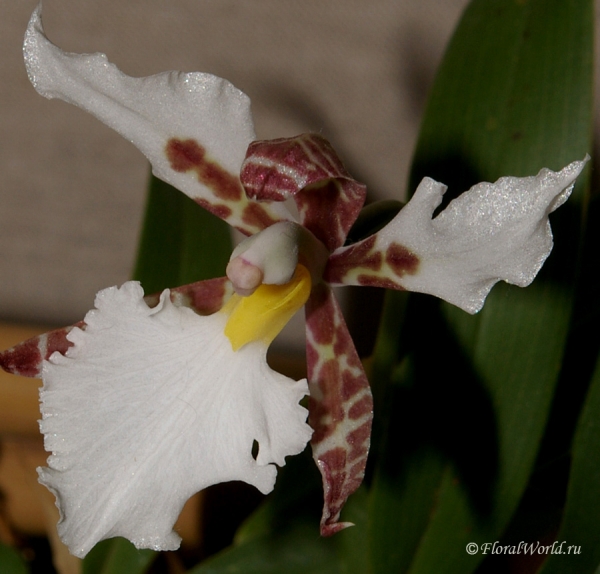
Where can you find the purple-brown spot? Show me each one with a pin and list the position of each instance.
(204, 297)
(328, 411)
(343, 345)
(266, 183)
(318, 208)
(24, 359)
(335, 459)
(320, 315)
(321, 430)
(357, 473)
(373, 281)
(184, 155)
(351, 385)
(361, 408)
(333, 382)
(219, 210)
(255, 216)
(329, 208)
(401, 260)
(57, 340)
(189, 155)
(360, 435)
(270, 181)
(328, 158)
(358, 452)
(359, 255)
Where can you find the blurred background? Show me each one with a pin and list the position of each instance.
(72, 191)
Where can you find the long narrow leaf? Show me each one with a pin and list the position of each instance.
(117, 556)
(580, 529)
(181, 242)
(298, 551)
(513, 95)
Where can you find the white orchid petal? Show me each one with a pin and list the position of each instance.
(494, 231)
(152, 405)
(194, 128)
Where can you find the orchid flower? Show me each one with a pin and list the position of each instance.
(150, 399)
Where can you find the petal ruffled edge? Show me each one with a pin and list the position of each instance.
(151, 405)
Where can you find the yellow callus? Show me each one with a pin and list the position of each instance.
(262, 315)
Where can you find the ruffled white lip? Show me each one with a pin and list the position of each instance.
(151, 406)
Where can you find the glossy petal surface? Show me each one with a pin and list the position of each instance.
(493, 231)
(194, 128)
(152, 405)
(341, 405)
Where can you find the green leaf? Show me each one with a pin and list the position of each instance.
(117, 556)
(352, 542)
(401, 502)
(513, 95)
(297, 550)
(283, 535)
(581, 522)
(180, 242)
(11, 562)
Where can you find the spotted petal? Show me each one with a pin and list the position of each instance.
(194, 128)
(494, 231)
(340, 405)
(148, 407)
(306, 168)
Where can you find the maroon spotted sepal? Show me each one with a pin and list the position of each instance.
(371, 262)
(27, 358)
(227, 200)
(306, 168)
(340, 405)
